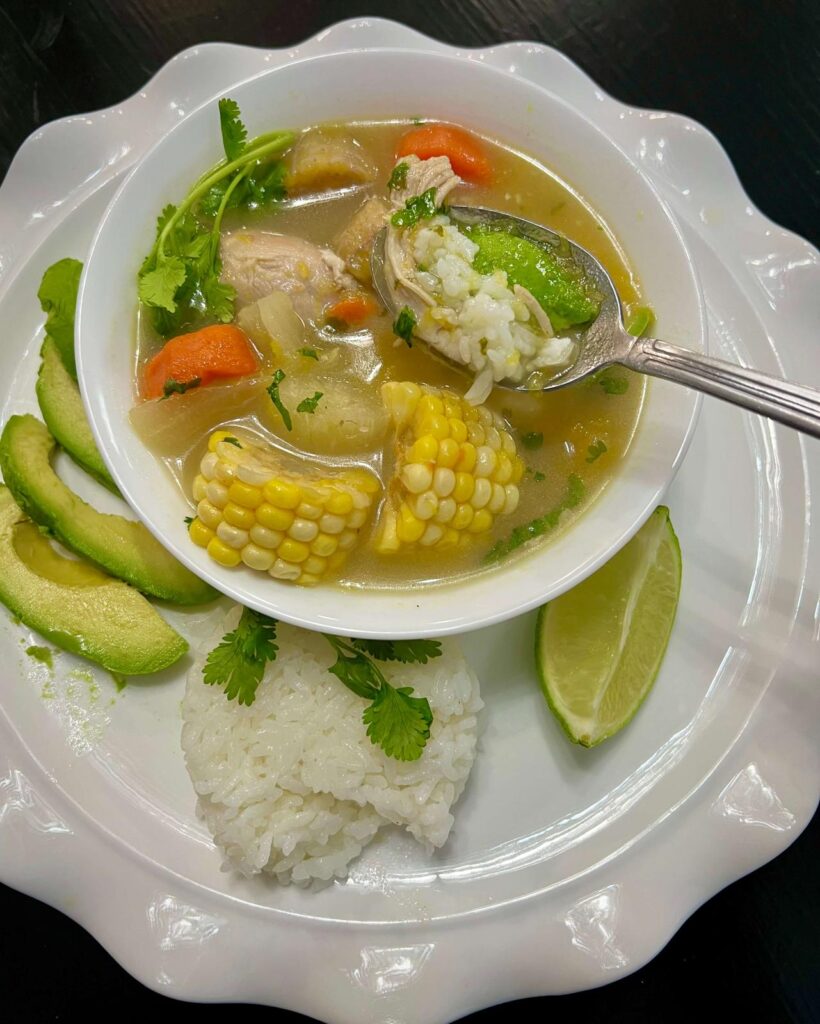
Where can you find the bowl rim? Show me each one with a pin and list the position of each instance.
(407, 599)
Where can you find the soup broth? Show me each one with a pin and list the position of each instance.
(575, 437)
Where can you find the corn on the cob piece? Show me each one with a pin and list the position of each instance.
(295, 526)
(456, 469)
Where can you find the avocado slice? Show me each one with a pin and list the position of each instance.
(120, 546)
(76, 606)
(63, 411)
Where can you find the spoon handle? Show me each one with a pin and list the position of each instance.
(796, 405)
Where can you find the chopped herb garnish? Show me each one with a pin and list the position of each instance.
(612, 383)
(58, 300)
(308, 353)
(232, 440)
(275, 397)
(538, 527)
(532, 440)
(418, 651)
(239, 660)
(538, 476)
(596, 450)
(396, 721)
(405, 324)
(309, 404)
(415, 209)
(398, 178)
(640, 320)
(179, 280)
(188, 520)
(179, 387)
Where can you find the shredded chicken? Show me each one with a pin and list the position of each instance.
(426, 174)
(535, 307)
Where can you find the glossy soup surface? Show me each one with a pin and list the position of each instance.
(583, 429)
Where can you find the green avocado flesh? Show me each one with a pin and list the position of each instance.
(63, 411)
(76, 606)
(555, 280)
(121, 547)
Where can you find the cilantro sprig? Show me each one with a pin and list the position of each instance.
(309, 404)
(415, 209)
(238, 662)
(179, 387)
(573, 496)
(179, 279)
(405, 324)
(398, 176)
(395, 720)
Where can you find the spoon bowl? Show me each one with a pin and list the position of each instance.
(605, 340)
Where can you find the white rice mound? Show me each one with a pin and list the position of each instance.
(480, 321)
(292, 786)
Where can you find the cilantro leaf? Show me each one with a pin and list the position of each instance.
(219, 298)
(596, 450)
(408, 651)
(309, 404)
(308, 353)
(399, 723)
(238, 662)
(612, 383)
(415, 209)
(398, 177)
(276, 398)
(234, 133)
(178, 387)
(533, 439)
(158, 287)
(573, 496)
(396, 721)
(58, 300)
(188, 520)
(405, 324)
(232, 440)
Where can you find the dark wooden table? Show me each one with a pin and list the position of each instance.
(749, 71)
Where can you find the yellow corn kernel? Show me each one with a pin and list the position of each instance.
(200, 534)
(446, 510)
(503, 468)
(225, 472)
(465, 463)
(425, 505)
(432, 535)
(208, 465)
(217, 493)
(303, 529)
(198, 490)
(492, 438)
(308, 579)
(409, 528)
(482, 521)
(257, 558)
(339, 503)
(236, 515)
(347, 538)
(430, 404)
(293, 550)
(232, 535)
(463, 490)
(417, 477)
(463, 517)
(444, 480)
(307, 510)
(507, 443)
(331, 524)
(435, 425)
(450, 538)
(245, 495)
(425, 449)
(496, 502)
(274, 518)
(447, 453)
(485, 461)
(362, 480)
(220, 552)
(336, 560)
(282, 494)
(517, 470)
(314, 565)
(324, 545)
(265, 538)
(482, 492)
(475, 432)
(210, 515)
(356, 519)
(282, 570)
(511, 504)
(452, 408)
(216, 437)
(458, 430)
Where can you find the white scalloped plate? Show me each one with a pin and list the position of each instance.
(567, 868)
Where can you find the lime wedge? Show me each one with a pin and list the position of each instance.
(599, 647)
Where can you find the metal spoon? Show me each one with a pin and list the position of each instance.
(605, 341)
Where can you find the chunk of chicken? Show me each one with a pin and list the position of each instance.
(356, 240)
(324, 159)
(422, 175)
(257, 263)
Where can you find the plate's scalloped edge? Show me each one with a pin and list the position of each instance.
(141, 935)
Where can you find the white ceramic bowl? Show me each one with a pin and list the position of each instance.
(384, 83)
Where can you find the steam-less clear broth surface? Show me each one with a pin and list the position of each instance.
(583, 430)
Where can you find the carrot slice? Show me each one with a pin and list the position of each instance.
(353, 309)
(465, 151)
(212, 353)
